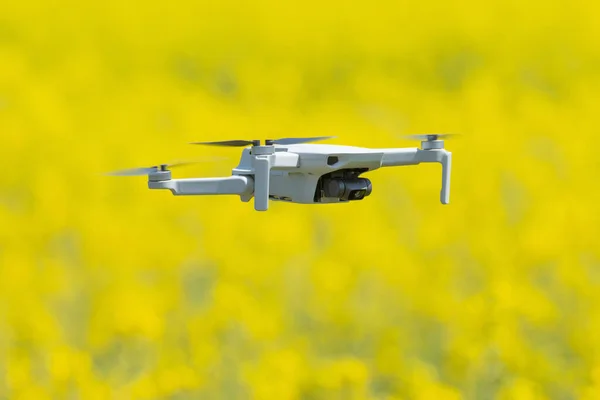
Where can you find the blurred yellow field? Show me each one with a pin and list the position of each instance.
(111, 291)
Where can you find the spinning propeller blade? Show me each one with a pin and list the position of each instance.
(283, 141)
(288, 141)
(228, 143)
(155, 168)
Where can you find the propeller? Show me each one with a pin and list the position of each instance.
(431, 136)
(283, 141)
(154, 168)
(231, 143)
(289, 141)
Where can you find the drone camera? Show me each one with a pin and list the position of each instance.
(347, 189)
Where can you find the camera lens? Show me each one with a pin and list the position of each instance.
(335, 188)
(357, 194)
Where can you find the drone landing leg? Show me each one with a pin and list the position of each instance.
(413, 156)
(237, 184)
(262, 171)
(446, 170)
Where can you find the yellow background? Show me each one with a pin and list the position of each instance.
(111, 291)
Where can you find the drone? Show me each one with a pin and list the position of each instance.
(294, 170)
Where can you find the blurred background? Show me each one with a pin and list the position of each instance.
(111, 291)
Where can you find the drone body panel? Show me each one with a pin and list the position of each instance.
(299, 185)
(296, 179)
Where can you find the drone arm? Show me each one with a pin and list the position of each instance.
(397, 157)
(413, 156)
(237, 184)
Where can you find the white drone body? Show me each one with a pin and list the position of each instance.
(303, 173)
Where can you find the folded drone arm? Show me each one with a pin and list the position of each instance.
(262, 163)
(237, 184)
(262, 175)
(413, 156)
